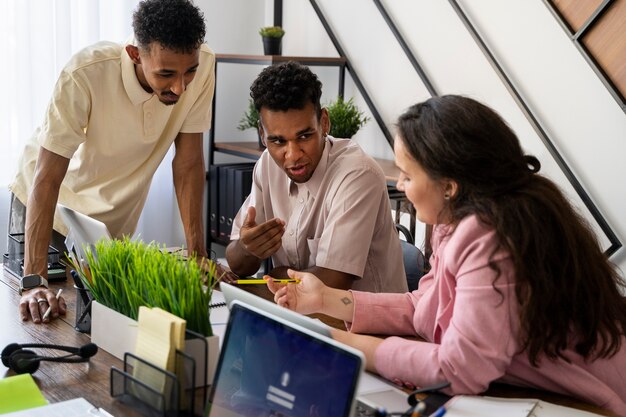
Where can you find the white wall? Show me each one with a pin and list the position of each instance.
(572, 105)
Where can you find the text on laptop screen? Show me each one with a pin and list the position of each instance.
(268, 369)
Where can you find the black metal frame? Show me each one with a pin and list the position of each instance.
(576, 36)
(278, 13)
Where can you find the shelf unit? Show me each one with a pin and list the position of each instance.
(244, 148)
(251, 149)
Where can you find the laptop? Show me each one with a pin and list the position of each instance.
(232, 293)
(83, 231)
(270, 367)
(373, 392)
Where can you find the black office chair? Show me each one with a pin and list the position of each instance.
(414, 261)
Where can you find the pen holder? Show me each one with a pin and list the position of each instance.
(83, 310)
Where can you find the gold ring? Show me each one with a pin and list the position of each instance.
(42, 300)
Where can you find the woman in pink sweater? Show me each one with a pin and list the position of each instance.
(519, 290)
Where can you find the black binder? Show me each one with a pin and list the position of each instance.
(228, 200)
(243, 186)
(213, 201)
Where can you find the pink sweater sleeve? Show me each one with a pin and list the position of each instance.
(383, 314)
(471, 329)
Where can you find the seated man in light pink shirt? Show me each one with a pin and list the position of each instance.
(317, 203)
(519, 290)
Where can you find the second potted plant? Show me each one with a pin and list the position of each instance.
(250, 120)
(345, 118)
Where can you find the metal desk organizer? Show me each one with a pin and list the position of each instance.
(13, 260)
(154, 391)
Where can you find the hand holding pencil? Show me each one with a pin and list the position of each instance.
(306, 297)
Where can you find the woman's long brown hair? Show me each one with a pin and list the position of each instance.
(568, 291)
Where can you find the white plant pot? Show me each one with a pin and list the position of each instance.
(117, 334)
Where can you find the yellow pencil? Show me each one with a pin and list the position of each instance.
(262, 281)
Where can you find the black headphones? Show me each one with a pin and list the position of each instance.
(23, 361)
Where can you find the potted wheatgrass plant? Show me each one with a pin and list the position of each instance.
(124, 275)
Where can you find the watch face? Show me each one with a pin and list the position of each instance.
(31, 281)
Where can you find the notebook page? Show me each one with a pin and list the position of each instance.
(78, 407)
(476, 406)
(545, 409)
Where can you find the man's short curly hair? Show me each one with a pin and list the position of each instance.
(175, 24)
(286, 86)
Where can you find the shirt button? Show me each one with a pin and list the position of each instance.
(149, 115)
(301, 200)
(291, 233)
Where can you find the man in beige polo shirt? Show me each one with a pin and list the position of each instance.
(318, 203)
(115, 111)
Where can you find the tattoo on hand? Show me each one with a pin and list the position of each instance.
(346, 300)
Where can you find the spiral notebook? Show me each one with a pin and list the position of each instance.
(477, 406)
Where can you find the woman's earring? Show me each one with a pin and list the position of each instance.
(446, 196)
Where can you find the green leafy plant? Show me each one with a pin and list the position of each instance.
(124, 275)
(272, 32)
(345, 118)
(250, 119)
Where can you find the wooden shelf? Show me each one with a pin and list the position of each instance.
(392, 172)
(273, 59)
(253, 150)
(243, 149)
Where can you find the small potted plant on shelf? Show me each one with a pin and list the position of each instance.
(250, 120)
(345, 118)
(123, 275)
(272, 39)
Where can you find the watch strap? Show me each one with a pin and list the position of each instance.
(42, 283)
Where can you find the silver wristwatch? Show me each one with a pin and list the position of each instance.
(28, 282)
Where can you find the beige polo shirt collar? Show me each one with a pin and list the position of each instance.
(314, 183)
(135, 91)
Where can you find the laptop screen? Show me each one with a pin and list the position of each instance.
(268, 368)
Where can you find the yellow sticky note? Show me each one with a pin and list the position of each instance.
(159, 334)
(19, 392)
(178, 331)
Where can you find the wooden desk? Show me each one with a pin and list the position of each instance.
(59, 381)
(495, 390)
(64, 381)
